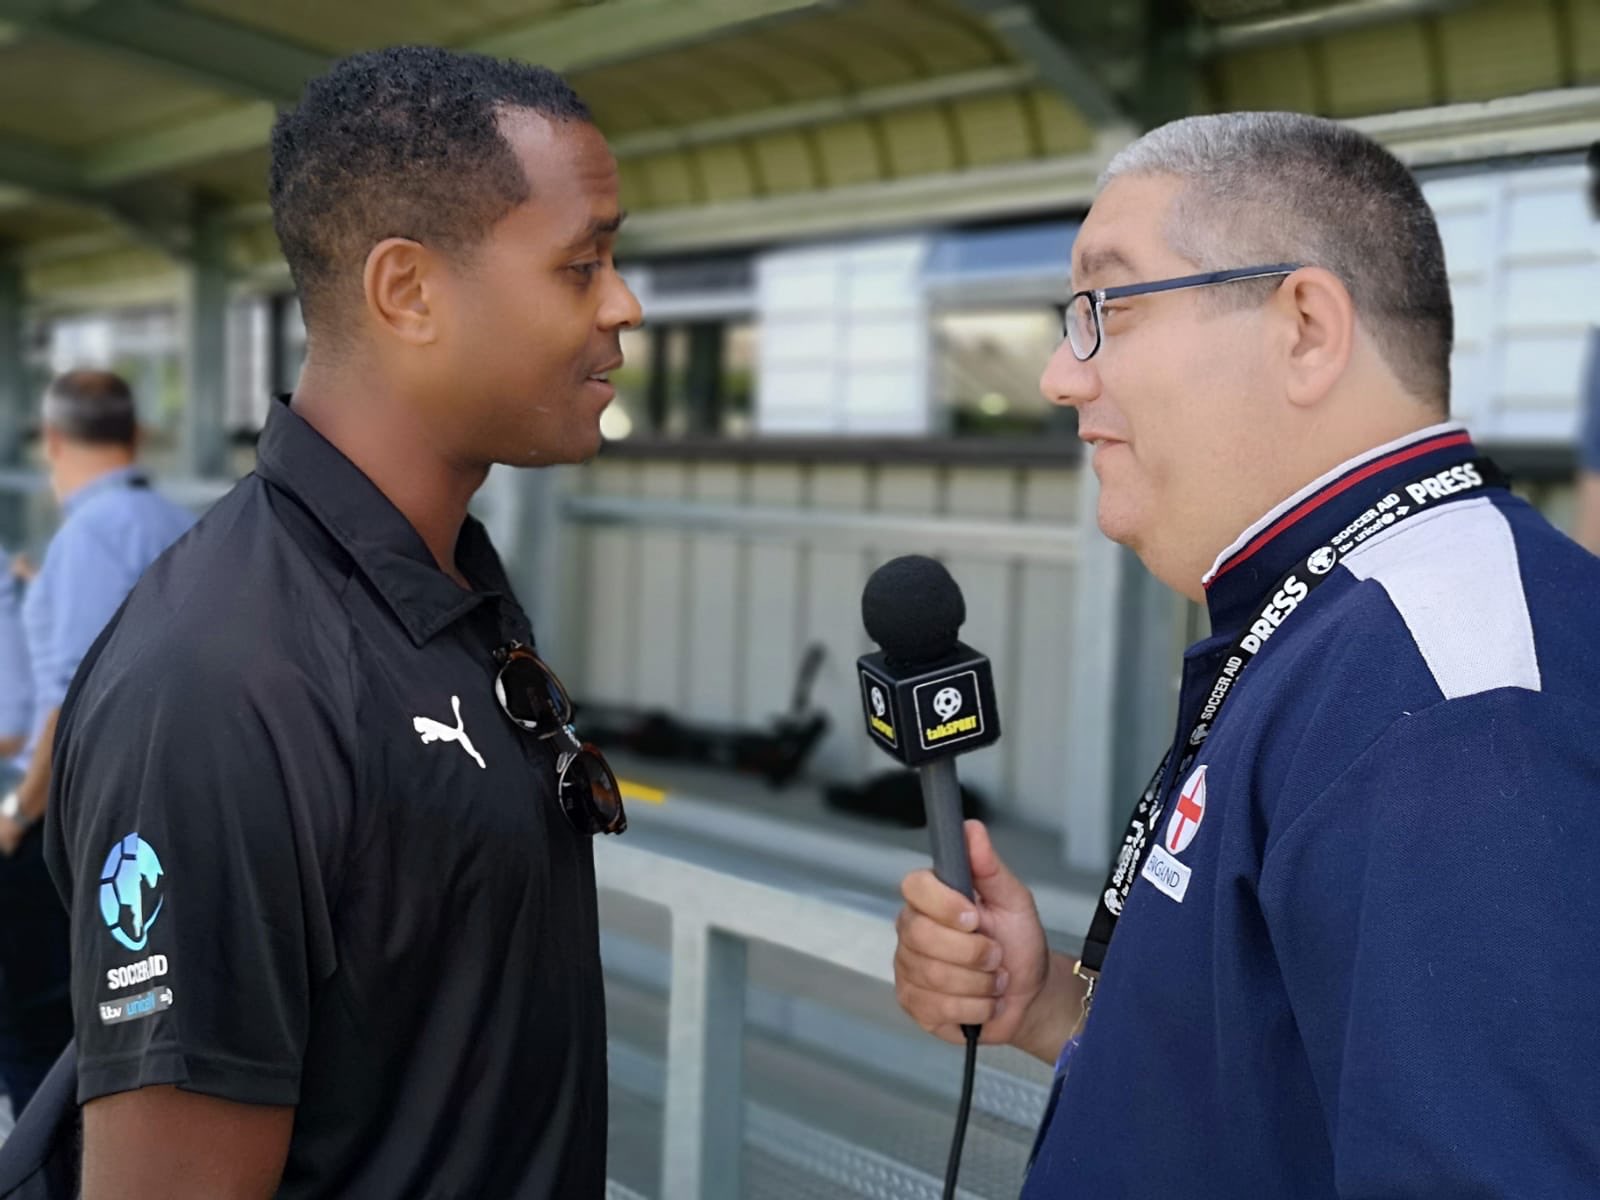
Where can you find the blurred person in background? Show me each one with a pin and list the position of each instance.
(113, 526)
(1587, 526)
(350, 947)
(16, 680)
(1357, 932)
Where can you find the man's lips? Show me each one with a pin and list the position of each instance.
(602, 373)
(1096, 439)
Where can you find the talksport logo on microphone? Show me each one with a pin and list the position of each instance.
(880, 710)
(948, 710)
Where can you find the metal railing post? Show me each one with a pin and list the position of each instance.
(703, 1136)
(205, 325)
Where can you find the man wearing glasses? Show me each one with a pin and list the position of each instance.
(1357, 932)
(323, 826)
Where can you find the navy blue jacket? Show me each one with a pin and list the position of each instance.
(1383, 979)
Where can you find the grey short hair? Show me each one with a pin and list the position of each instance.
(1282, 187)
(94, 408)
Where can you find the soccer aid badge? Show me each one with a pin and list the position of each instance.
(132, 893)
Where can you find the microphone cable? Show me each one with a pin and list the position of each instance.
(952, 1169)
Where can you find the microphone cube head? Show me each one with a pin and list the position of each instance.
(917, 713)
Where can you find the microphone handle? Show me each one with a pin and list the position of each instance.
(941, 800)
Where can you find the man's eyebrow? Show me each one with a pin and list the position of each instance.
(598, 228)
(1095, 261)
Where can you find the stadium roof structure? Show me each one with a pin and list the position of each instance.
(133, 132)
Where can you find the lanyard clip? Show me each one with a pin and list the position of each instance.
(1090, 978)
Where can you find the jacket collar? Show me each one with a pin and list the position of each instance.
(1273, 545)
(384, 546)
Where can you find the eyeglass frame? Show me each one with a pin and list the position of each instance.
(1098, 296)
(569, 746)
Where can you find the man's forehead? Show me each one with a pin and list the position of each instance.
(574, 152)
(1124, 230)
(572, 176)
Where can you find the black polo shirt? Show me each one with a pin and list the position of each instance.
(309, 861)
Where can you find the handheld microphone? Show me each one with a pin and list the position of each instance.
(928, 698)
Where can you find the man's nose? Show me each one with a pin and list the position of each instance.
(1068, 382)
(621, 309)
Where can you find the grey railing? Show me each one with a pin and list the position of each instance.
(714, 916)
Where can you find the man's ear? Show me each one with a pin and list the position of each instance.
(400, 287)
(1321, 323)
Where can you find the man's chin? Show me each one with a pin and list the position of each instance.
(1117, 521)
(574, 452)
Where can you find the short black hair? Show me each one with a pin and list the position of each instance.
(402, 142)
(95, 408)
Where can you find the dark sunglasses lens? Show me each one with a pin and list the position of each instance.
(531, 697)
(590, 794)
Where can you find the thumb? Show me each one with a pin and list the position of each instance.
(991, 878)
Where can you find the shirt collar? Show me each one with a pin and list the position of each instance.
(1275, 544)
(384, 546)
(129, 476)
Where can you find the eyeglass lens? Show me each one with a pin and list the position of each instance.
(1083, 333)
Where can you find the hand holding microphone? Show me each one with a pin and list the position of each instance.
(929, 697)
(972, 955)
(950, 973)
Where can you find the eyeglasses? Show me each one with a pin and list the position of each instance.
(1082, 323)
(532, 696)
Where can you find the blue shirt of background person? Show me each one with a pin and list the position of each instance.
(16, 678)
(112, 529)
(113, 526)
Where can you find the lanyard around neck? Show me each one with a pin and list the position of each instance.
(1283, 600)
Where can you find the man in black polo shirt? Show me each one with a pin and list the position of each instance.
(333, 917)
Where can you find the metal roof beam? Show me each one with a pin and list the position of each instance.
(982, 82)
(627, 29)
(1032, 37)
(38, 168)
(1314, 23)
(203, 139)
(41, 171)
(208, 51)
(14, 197)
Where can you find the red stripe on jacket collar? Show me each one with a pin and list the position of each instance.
(1310, 505)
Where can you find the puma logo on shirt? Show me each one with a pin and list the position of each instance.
(435, 731)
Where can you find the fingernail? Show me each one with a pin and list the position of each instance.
(999, 1008)
(1000, 980)
(992, 959)
(969, 919)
